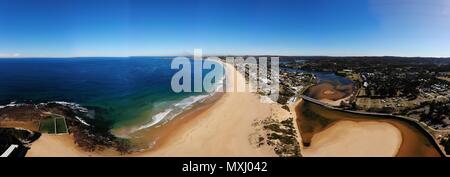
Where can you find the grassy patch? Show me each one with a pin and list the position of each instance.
(47, 126)
(53, 125)
(61, 126)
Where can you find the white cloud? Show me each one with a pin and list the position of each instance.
(10, 55)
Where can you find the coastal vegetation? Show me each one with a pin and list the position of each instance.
(281, 135)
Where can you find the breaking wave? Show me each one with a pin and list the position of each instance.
(179, 107)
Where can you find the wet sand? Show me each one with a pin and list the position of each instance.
(330, 91)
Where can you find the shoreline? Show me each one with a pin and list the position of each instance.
(221, 128)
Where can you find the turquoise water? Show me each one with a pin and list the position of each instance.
(131, 90)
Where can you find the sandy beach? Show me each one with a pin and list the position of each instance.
(55, 146)
(224, 129)
(359, 139)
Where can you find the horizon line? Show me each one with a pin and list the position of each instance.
(228, 55)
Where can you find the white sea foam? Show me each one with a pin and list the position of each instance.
(155, 119)
(173, 111)
(12, 104)
(82, 121)
(71, 105)
(179, 107)
(188, 102)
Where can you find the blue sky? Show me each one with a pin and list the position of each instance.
(176, 27)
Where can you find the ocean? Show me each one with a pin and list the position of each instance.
(131, 91)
